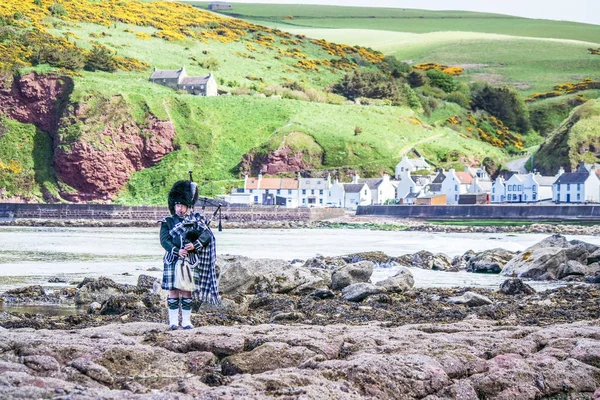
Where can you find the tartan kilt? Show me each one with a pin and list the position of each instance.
(168, 279)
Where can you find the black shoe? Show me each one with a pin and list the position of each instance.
(173, 327)
(188, 327)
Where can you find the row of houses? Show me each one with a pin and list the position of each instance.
(415, 183)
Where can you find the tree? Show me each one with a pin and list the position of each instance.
(101, 58)
(366, 83)
(503, 103)
(416, 78)
(441, 80)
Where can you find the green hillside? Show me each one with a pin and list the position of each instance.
(526, 54)
(278, 92)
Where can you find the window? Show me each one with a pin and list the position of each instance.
(267, 191)
(192, 88)
(534, 188)
(289, 191)
(164, 80)
(201, 86)
(303, 191)
(578, 187)
(558, 188)
(278, 191)
(568, 186)
(493, 198)
(456, 197)
(578, 196)
(312, 191)
(318, 182)
(251, 191)
(520, 188)
(303, 201)
(256, 199)
(320, 201)
(183, 86)
(534, 197)
(493, 191)
(456, 187)
(365, 192)
(321, 191)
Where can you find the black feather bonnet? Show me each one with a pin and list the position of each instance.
(183, 192)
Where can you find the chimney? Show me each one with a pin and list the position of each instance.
(245, 181)
(328, 180)
(355, 178)
(561, 171)
(386, 178)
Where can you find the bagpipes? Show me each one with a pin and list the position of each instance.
(211, 202)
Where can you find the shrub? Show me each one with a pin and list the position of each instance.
(357, 130)
(416, 78)
(366, 83)
(100, 58)
(211, 64)
(503, 103)
(57, 10)
(459, 98)
(441, 80)
(412, 100)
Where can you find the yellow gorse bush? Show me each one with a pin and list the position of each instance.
(566, 88)
(12, 166)
(454, 71)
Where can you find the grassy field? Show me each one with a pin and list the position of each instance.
(529, 55)
(408, 20)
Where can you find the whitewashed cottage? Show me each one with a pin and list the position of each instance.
(411, 165)
(382, 189)
(577, 187)
(314, 192)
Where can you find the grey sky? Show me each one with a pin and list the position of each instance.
(572, 10)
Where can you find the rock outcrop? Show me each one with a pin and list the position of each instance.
(468, 360)
(553, 258)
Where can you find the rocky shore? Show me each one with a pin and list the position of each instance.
(319, 328)
(346, 222)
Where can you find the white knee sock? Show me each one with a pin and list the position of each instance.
(174, 317)
(186, 318)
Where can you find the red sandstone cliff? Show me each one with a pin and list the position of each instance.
(109, 145)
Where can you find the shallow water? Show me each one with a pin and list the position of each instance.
(34, 255)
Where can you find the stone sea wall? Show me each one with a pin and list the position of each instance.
(13, 211)
(530, 212)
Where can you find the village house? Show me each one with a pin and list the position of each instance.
(266, 191)
(455, 184)
(411, 165)
(179, 80)
(409, 187)
(314, 192)
(382, 189)
(356, 194)
(498, 191)
(580, 186)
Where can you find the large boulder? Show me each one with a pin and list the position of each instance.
(460, 263)
(359, 291)
(351, 273)
(250, 276)
(489, 261)
(427, 260)
(543, 260)
(515, 286)
(101, 289)
(379, 258)
(403, 280)
(326, 263)
(471, 299)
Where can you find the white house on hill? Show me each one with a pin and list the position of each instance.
(179, 80)
(411, 165)
(382, 189)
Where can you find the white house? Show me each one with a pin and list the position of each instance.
(410, 186)
(514, 189)
(271, 191)
(411, 165)
(179, 80)
(455, 184)
(498, 191)
(314, 192)
(577, 187)
(537, 187)
(483, 186)
(382, 189)
(478, 172)
(356, 194)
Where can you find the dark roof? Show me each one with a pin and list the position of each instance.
(372, 183)
(574, 177)
(353, 187)
(412, 195)
(195, 80)
(439, 178)
(166, 74)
